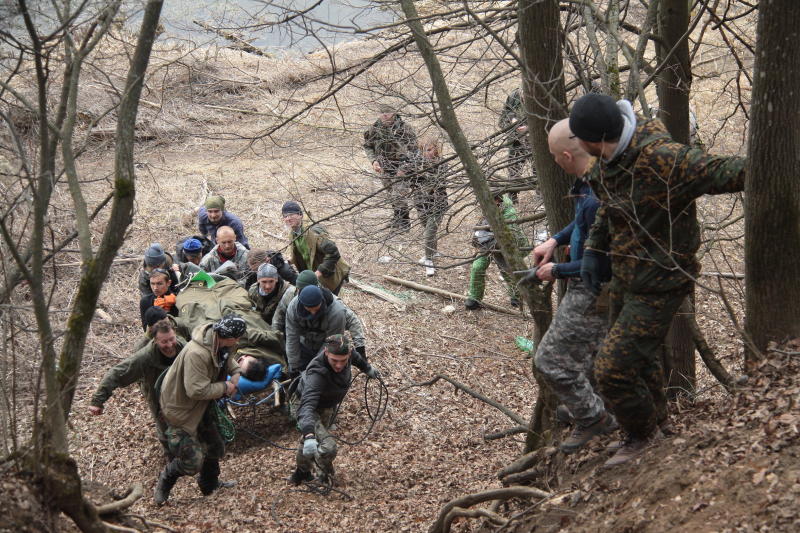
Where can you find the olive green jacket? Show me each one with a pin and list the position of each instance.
(647, 217)
(143, 367)
(324, 254)
(195, 378)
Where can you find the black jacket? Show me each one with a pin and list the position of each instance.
(321, 388)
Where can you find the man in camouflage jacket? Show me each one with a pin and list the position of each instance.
(647, 184)
(144, 367)
(390, 144)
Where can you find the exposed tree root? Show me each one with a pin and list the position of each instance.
(460, 506)
(522, 463)
(134, 493)
(516, 430)
(709, 358)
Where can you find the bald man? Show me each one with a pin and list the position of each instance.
(227, 249)
(565, 356)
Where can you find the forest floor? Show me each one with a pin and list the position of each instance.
(729, 466)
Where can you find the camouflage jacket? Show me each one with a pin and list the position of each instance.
(647, 218)
(513, 113)
(391, 146)
(266, 305)
(144, 367)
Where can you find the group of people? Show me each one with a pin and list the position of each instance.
(630, 263)
(185, 367)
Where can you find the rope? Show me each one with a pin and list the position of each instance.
(226, 427)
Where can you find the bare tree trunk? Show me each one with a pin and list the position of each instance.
(772, 210)
(541, 44)
(674, 83)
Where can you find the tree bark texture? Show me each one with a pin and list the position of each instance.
(541, 43)
(674, 83)
(772, 186)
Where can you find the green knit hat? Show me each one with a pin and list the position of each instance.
(215, 202)
(304, 279)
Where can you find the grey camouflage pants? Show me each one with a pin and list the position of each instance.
(565, 355)
(326, 444)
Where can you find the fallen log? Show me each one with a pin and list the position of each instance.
(382, 294)
(447, 294)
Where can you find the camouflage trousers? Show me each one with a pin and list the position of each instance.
(628, 367)
(326, 444)
(565, 355)
(398, 191)
(477, 276)
(190, 451)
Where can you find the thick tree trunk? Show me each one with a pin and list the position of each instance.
(541, 43)
(772, 187)
(674, 83)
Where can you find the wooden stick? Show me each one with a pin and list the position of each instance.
(728, 275)
(239, 43)
(446, 294)
(375, 291)
(124, 503)
(276, 387)
(529, 218)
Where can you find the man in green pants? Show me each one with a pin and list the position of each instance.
(647, 185)
(484, 241)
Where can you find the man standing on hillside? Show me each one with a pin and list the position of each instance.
(514, 120)
(565, 355)
(196, 379)
(212, 216)
(390, 144)
(647, 185)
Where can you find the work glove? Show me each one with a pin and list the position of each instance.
(362, 351)
(373, 373)
(165, 302)
(310, 447)
(595, 270)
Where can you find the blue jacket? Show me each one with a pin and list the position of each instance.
(586, 204)
(228, 219)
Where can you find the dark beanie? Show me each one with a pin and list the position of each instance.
(304, 279)
(153, 315)
(154, 255)
(291, 208)
(310, 296)
(595, 118)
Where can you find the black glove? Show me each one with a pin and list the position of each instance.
(276, 259)
(362, 351)
(595, 269)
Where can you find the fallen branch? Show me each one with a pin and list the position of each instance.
(380, 293)
(477, 395)
(148, 523)
(709, 358)
(469, 500)
(119, 529)
(238, 42)
(729, 275)
(446, 294)
(516, 430)
(530, 218)
(134, 494)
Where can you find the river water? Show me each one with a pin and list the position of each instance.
(329, 22)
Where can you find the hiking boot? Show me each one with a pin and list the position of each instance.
(581, 435)
(300, 476)
(563, 415)
(471, 304)
(325, 476)
(220, 485)
(166, 480)
(632, 448)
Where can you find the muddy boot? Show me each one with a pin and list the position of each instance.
(581, 435)
(208, 479)
(633, 448)
(300, 476)
(471, 304)
(166, 480)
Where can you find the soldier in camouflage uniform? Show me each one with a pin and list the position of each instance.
(565, 355)
(267, 293)
(390, 144)
(513, 119)
(484, 241)
(647, 185)
(143, 367)
(195, 380)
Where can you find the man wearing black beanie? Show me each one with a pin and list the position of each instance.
(647, 185)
